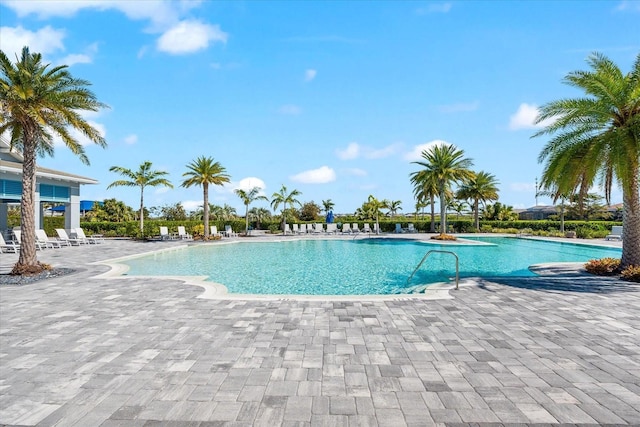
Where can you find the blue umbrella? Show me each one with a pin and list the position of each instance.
(330, 217)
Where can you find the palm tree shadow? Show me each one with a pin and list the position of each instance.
(575, 283)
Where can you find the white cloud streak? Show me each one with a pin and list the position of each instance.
(190, 36)
(355, 150)
(290, 110)
(309, 75)
(131, 139)
(322, 175)
(416, 153)
(525, 118)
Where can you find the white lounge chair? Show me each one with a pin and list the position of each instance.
(411, 228)
(332, 228)
(63, 236)
(355, 228)
(376, 228)
(164, 233)
(303, 229)
(214, 231)
(287, 229)
(295, 229)
(616, 233)
(17, 234)
(182, 233)
(95, 238)
(41, 236)
(9, 246)
(228, 231)
(318, 228)
(346, 228)
(366, 228)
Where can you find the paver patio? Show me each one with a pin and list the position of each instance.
(84, 351)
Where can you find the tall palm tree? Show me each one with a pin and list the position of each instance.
(374, 205)
(247, 197)
(443, 165)
(284, 198)
(37, 102)
(143, 177)
(204, 171)
(597, 138)
(483, 187)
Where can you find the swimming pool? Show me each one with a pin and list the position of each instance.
(354, 267)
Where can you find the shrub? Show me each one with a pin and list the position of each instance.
(603, 267)
(197, 230)
(444, 237)
(631, 273)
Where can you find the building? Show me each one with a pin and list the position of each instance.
(52, 186)
(538, 212)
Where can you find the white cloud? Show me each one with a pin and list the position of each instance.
(628, 5)
(191, 205)
(416, 153)
(76, 58)
(525, 118)
(355, 172)
(290, 110)
(161, 190)
(351, 152)
(355, 150)
(190, 36)
(523, 187)
(309, 75)
(322, 175)
(79, 136)
(46, 40)
(435, 8)
(250, 182)
(131, 139)
(459, 108)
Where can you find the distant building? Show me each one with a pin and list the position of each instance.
(52, 186)
(85, 206)
(537, 212)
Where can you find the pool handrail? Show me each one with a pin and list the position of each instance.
(427, 255)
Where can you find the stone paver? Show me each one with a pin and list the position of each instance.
(82, 351)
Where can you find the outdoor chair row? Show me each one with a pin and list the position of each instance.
(76, 237)
(331, 228)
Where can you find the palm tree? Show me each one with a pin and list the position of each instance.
(374, 205)
(597, 137)
(483, 187)
(143, 177)
(284, 198)
(204, 171)
(327, 205)
(394, 206)
(247, 197)
(259, 215)
(443, 165)
(36, 103)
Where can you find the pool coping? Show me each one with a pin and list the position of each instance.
(436, 291)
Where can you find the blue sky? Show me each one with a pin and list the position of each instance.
(334, 99)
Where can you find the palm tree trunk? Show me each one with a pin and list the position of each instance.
(631, 223)
(476, 209)
(205, 197)
(28, 256)
(562, 216)
(141, 211)
(443, 213)
(246, 219)
(433, 214)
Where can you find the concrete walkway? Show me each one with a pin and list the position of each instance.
(83, 351)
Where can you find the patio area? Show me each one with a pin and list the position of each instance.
(79, 350)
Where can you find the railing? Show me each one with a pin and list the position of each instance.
(427, 255)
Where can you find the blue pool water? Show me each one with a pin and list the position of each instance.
(355, 267)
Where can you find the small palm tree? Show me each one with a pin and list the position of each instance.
(374, 205)
(327, 205)
(259, 215)
(247, 198)
(36, 102)
(483, 187)
(443, 165)
(204, 171)
(284, 198)
(597, 137)
(143, 177)
(394, 206)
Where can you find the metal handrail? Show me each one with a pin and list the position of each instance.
(427, 255)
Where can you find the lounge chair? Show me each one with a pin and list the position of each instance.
(346, 228)
(95, 238)
(399, 228)
(41, 236)
(214, 231)
(182, 233)
(411, 228)
(366, 228)
(164, 233)
(318, 228)
(9, 246)
(355, 228)
(376, 228)
(303, 229)
(17, 234)
(295, 229)
(63, 236)
(287, 229)
(616, 233)
(332, 228)
(228, 231)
